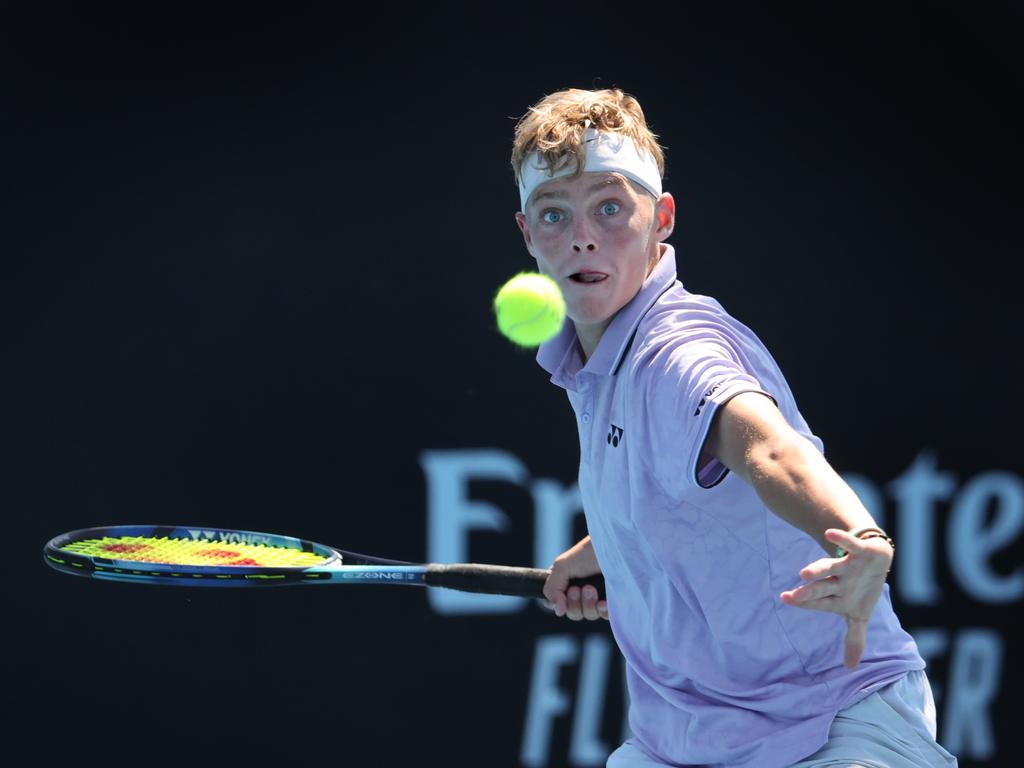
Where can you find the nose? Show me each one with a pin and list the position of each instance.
(581, 238)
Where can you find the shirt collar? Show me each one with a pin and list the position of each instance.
(561, 356)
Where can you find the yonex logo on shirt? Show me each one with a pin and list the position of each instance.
(615, 436)
(705, 399)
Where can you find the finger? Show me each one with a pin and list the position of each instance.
(590, 603)
(555, 583)
(856, 639)
(560, 604)
(829, 604)
(602, 609)
(851, 544)
(827, 566)
(826, 587)
(554, 598)
(554, 592)
(574, 610)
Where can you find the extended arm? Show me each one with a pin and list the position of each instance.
(750, 436)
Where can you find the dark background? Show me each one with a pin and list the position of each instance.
(247, 264)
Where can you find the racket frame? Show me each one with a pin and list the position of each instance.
(339, 565)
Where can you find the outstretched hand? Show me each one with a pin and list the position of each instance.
(848, 585)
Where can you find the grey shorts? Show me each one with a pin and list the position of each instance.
(894, 727)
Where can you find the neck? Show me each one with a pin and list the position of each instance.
(590, 336)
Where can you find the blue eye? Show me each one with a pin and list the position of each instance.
(614, 206)
(546, 220)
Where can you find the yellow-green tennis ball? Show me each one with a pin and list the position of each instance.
(530, 309)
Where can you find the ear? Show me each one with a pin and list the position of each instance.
(521, 221)
(665, 215)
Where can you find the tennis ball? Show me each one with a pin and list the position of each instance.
(530, 309)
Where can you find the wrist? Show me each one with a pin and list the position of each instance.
(868, 532)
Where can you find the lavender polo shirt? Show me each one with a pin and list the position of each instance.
(719, 670)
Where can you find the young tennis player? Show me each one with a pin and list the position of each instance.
(746, 583)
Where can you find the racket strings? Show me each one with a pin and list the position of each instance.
(188, 552)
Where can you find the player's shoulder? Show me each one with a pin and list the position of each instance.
(677, 309)
(680, 326)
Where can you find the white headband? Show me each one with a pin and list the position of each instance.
(606, 152)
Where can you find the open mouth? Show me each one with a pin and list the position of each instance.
(588, 277)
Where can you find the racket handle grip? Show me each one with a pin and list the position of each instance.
(500, 579)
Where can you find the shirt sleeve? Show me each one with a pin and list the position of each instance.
(682, 388)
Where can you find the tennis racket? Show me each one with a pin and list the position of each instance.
(222, 557)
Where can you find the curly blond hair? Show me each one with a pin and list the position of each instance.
(557, 124)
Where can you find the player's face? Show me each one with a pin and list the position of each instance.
(597, 237)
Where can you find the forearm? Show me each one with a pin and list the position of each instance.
(796, 483)
(581, 558)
